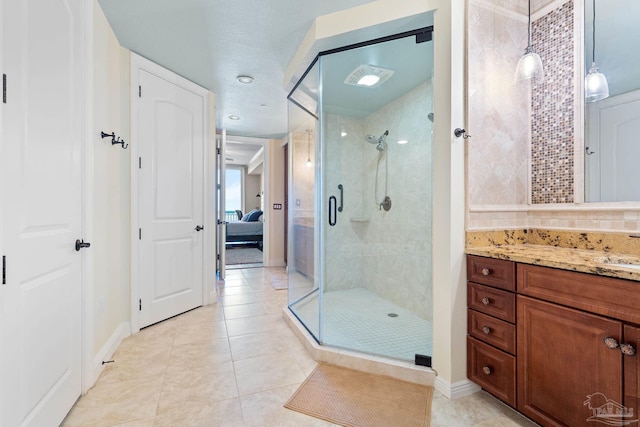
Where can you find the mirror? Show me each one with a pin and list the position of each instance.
(612, 125)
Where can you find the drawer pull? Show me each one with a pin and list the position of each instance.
(486, 301)
(486, 330)
(486, 370)
(627, 349)
(611, 343)
(486, 271)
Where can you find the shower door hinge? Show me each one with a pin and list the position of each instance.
(422, 360)
(139, 91)
(140, 304)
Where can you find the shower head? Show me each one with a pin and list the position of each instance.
(381, 141)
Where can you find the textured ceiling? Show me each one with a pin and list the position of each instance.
(210, 42)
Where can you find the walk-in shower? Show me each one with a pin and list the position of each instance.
(360, 273)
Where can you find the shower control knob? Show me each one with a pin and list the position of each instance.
(486, 271)
(486, 301)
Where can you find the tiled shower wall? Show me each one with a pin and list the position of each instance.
(388, 253)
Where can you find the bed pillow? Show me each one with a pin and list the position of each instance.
(247, 217)
(253, 215)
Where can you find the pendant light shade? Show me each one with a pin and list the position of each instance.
(530, 64)
(595, 83)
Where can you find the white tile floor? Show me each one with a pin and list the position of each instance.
(357, 319)
(234, 363)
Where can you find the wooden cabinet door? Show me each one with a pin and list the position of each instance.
(562, 361)
(632, 371)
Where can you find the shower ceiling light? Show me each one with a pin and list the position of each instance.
(402, 141)
(343, 134)
(368, 76)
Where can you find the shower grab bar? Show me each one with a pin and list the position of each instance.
(341, 188)
(332, 209)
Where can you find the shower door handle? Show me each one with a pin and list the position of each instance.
(341, 188)
(332, 210)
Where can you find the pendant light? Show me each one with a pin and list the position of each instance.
(530, 64)
(309, 163)
(595, 83)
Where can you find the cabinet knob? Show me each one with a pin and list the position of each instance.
(611, 343)
(627, 349)
(486, 370)
(486, 330)
(486, 271)
(486, 301)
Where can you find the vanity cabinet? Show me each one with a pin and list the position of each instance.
(491, 344)
(575, 338)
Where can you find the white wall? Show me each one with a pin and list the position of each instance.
(274, 193)
(251, 188)
(111, 184)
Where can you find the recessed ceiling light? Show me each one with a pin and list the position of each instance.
(234, 117)
(402, 141)
(343, 134)
(245, 79)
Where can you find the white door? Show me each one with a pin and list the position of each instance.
(41, 161)
(170, 198)
(221, 174)
(614, 126)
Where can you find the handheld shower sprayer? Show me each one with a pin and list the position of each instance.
(381, 141)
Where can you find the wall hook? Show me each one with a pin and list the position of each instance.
(114, 139)
(586, 149)
(458, 132)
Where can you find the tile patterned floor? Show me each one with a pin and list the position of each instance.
(234, 363)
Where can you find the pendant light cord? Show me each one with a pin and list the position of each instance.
(593, 45)
(529, 26)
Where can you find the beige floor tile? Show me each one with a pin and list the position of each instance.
(255, 324)
(214, 384)
(235, 282)
(267, 372)
(147, 422)
(245, 310)
(111, 404)
(236, 290)
(210, 313)
(263, 344)
(200, 332)
(201, 355)
(267, 409)
(247, 298)
(136, 362)
(226, 413)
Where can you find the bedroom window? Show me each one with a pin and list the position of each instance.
(234, 191)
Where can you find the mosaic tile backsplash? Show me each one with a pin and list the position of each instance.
(552, 109)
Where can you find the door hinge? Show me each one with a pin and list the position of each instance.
(4, 88)
(218, 257)
(139, 233)
(140, 304)
(139, 162)
(218, 151)
(139, 91)
(4, 269)
(218, 187)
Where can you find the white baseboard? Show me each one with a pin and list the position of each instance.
(108, 349)
(456, 390)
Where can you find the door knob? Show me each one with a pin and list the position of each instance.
(199, 227)
(81, 244)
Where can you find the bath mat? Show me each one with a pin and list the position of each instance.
(351, 398)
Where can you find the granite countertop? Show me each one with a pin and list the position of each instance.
(582, 260)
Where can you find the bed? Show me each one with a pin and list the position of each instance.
(248, 229)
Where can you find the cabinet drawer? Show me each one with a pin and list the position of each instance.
(492, 369)
(492, 331)
(608, 296)
(494, 302)
(498, 273)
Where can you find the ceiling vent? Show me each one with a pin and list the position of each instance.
(368, 76)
